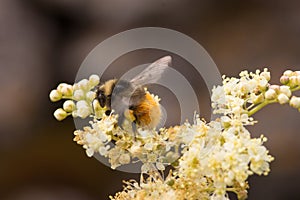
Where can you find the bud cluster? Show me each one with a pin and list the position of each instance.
(79, 98)
(291, 78)
(252, 91)
(284, 93)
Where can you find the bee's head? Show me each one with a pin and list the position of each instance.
(111, 93)
(103, 94)
(104, 100)
(101, 97)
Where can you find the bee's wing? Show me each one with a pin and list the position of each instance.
(153, 72)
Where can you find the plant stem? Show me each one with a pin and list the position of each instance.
(296, 88)
(266, 102)
(260, 106)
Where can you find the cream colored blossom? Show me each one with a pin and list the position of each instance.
(55, 95)
(270, 94)
(209, 158)
(295, 102)
(60, 114)
(65, 89)
(282, 98)
(69, 106)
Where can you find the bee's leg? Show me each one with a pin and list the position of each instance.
(134, 129)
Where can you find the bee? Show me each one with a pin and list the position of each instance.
(130, 100)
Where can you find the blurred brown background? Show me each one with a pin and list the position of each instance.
(43, 42)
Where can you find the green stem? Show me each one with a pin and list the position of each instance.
(296, 88)
(266, 102)
(260, 106)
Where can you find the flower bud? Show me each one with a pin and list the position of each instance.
(284, 80)
(55, 95)
(270, 94)
(65, 89)
(285, 90)
(266, 74)
(60, 114)
(293, 81)
(282, 98)
(78, 95)
(276, 88)
(69, 106)
(94, 80)
(76, 86)
(74, 114)
(90, 95)
(83, 109)
(295, 102)
(288, 72)
(83, 84)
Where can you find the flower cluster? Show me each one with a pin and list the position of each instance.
(217, 160)
(209, 159)
(80, 99)
(246, 95)
(121, 145)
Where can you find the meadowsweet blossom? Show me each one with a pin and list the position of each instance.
(209, 159)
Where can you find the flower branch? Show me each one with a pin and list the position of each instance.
(209, 159)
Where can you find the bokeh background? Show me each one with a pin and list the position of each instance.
(43, 42)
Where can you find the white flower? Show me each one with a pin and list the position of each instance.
(266, 74)
(218, 95)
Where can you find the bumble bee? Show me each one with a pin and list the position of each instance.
(130, 100)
